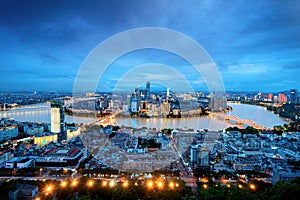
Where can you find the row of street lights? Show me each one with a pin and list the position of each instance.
(251, 186)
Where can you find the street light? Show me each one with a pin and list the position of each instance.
(49, 188)
(252, 186)
(63, 184)
(90, 183)
(125, 184)
(74, 183)
(150, 184)
(171, 185)
(160, 184)
(104, 183)
(111, 183)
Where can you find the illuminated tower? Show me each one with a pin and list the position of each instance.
(58, 119)
(147, 90)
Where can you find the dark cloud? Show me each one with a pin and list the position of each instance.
(51, 38)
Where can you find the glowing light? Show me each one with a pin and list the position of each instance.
(205, 186)
(74, 183)
(111, 183)
(149, 184)
(176, 185)
(49, 188)
(136, 184)
(240, 186)
(160, 184)
(104, 183)
(171, 185)
(38, 198)
(90, 183)
(63, 184)
(252, 187)
(125, 184)
(228, 186)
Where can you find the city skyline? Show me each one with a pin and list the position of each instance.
(255, 46)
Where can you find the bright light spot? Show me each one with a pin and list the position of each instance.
(90, 183)
(252, 187)
(49, 188)
(112, 183)
(177, 185)
(149, 184)
(136, 184)
(125, 184)
(171, 185)
(63, 184)
(240, 186)
(104, 183)
(74, 183)
(228, 186)
(205, 186)
(160, 184)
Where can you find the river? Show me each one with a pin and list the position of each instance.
(41, 113)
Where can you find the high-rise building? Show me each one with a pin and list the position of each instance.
(148, 91)
(282, 98)
(204, 159)
(270, 97)
(217, 102)
(293, 96)
(194, 154)
(58, 119)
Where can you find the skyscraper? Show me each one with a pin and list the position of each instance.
(282, 98)
(293, 96)
(58, 119)
(148, 91)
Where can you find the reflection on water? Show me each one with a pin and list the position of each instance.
(41, 113)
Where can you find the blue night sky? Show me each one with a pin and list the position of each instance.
(255, 44)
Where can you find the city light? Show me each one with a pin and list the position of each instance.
(104, 183)
(63, 184)
(228, 185)
(177, 185)
(160, 184)
(205, 186)
(150, 184)
(252, 186)
(74, 183)
(171, 185)
(49, 188)
(90, 183)
(240, 186)
(136, 184)
(125, 184)
(112, 183)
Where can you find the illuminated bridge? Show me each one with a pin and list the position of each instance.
(241, 122)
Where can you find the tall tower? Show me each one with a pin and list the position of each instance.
(148, 91)
(58, 119)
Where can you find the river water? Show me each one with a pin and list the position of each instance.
(41, 113)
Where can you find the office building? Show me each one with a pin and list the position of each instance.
(148, 91)
(58, 119)
(293, 96)
(282, 98)
(194, 153)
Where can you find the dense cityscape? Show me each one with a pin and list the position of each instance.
(237, 156)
